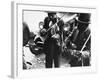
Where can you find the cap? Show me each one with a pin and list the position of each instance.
(51, 13)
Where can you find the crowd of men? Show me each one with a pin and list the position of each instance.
(66, 39)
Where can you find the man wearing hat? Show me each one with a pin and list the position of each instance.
(50, 45)
(82, 24)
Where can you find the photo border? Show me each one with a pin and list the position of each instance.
(17, 70)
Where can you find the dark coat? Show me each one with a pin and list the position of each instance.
(51, 48)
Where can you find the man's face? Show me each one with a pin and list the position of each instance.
(52, 16)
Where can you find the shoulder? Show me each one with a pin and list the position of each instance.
(46, 19)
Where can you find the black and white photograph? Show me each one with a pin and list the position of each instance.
(50, 40)
(55, 39)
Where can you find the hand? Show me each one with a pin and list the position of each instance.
(56, 36)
